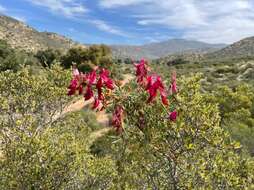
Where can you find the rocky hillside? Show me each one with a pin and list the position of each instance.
(21, 36)
(240, 49)
(163, 49)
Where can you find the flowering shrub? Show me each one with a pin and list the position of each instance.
(179, 145)
(99, 79)
(172, 142)
(36, 150)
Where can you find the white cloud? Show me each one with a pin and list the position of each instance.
(213, 21)
(103, 26)
(226, 29)
(68, 8)
(74, 9)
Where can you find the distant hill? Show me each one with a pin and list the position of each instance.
(241, 49)
(180, 58)
(21, 36)
(163, 49)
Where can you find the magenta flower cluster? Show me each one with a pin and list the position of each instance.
(86, 84)
(93, 85)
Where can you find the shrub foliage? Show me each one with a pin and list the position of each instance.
(167, 133)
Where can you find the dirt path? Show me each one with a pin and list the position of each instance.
(127, 78)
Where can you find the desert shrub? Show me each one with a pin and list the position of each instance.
(180, 145)
(177, 61)
(96, 54)
(76, 55)
(127, 61)
(14, 59)
(175, 141)
(228, 69)
(180, 66)
(85, 67)
(236, 110)
(40, 148)
(56, 158)
(102, 147)
(89, 118)
(39, 95)
(48, 57)
(249, 74)
(192, 153)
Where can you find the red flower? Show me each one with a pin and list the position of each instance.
(164, 98)
(88, 81)
(104, 74)
(105, 80)
(99, 84)
(117, 119)
(91, 77)
(141, 71)
(109, 84)
(76, 82)
(72, 87)
(89, 92)
(100, 95)
(154, 84)
(173, 85)
(96, 103)
(173, 116)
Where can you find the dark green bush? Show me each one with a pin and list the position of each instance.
(48, 57)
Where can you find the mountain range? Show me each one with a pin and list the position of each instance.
(162, 49)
